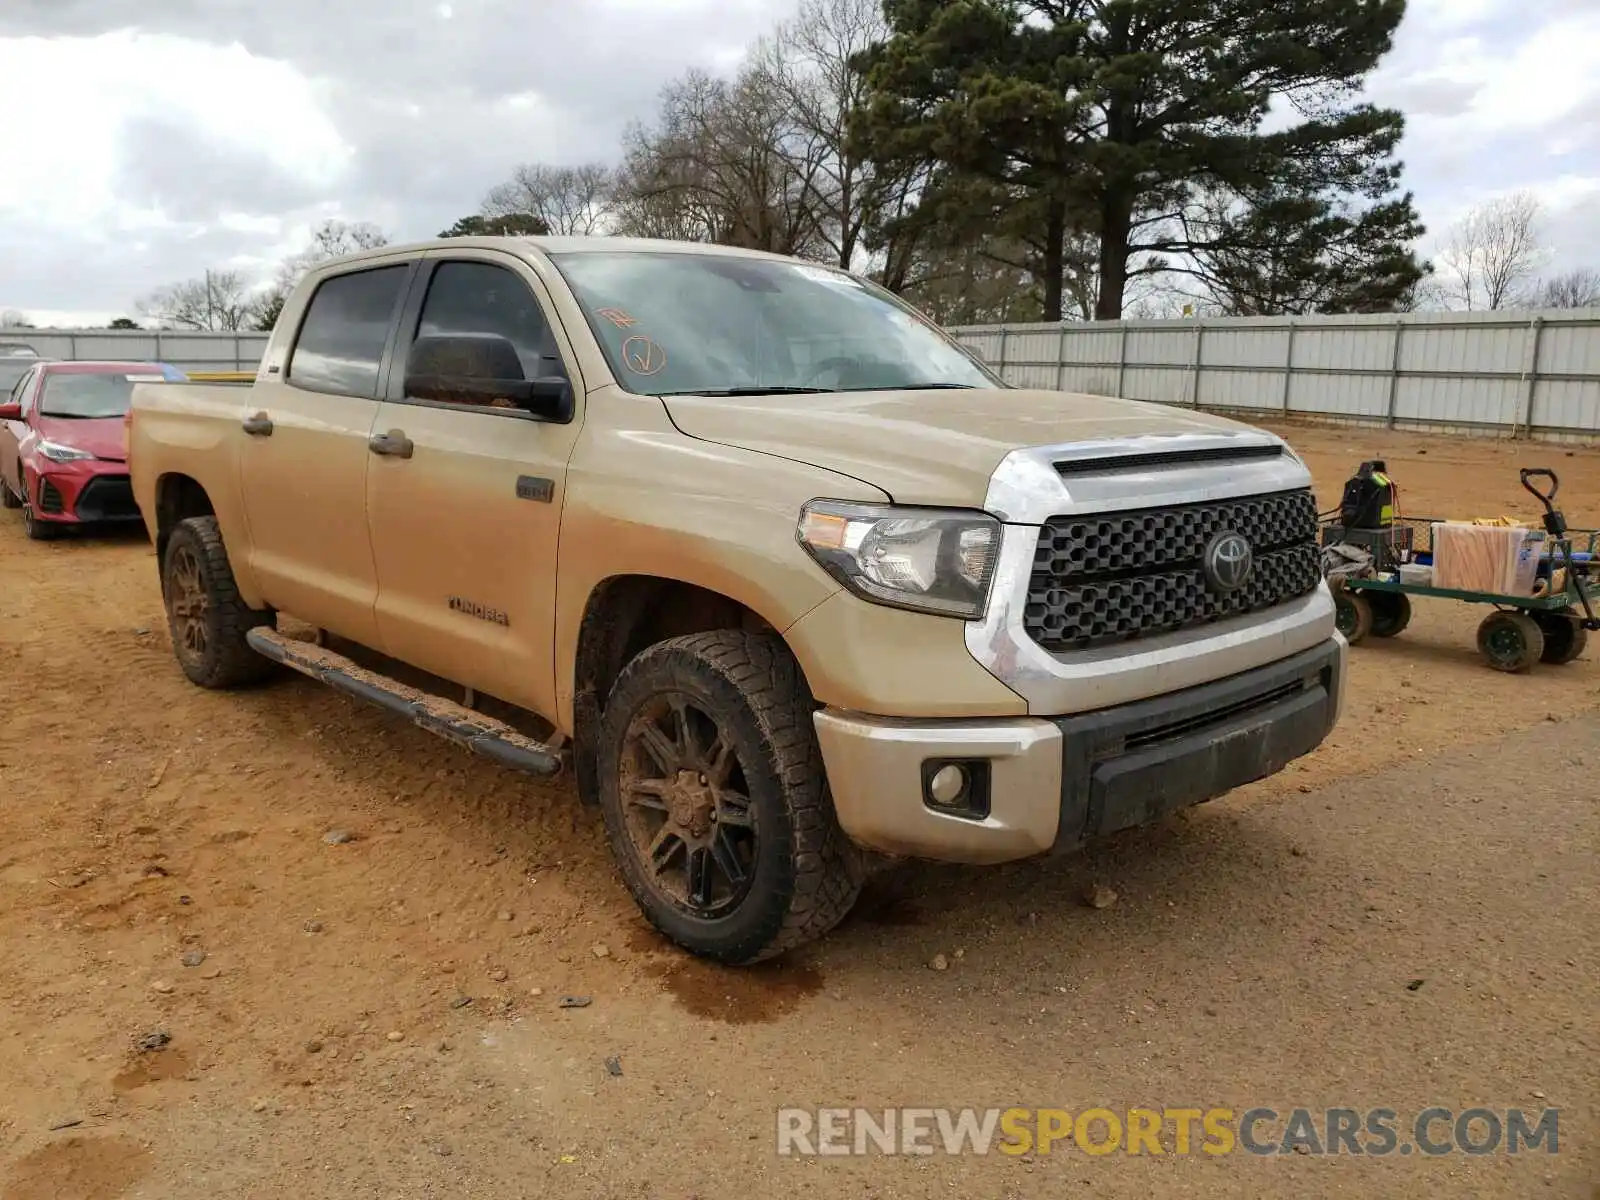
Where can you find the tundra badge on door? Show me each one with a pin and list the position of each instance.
(473, 609)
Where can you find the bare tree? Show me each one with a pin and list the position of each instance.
(570, 201)
(1578, 288)
(12, 318)
(218, 301)
(1492, 253)
(329, 240)
(725, 162)
(813, 64)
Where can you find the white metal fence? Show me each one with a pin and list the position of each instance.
(186, 351)
(1516, 374)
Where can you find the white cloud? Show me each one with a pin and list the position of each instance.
(85, 93)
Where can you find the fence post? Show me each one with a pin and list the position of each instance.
(159, 356)
(1194, 369)
(1530, 377)
(72, 347)
(1122, 358)
(1288, 366)
(238, 352)
(1005, 335)
(1394, 368)
(1061, 359)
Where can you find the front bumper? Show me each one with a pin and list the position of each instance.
(1056, 783)
(88, 490)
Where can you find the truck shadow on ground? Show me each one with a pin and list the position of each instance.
(1214, 880)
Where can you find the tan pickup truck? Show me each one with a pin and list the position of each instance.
(792, 582)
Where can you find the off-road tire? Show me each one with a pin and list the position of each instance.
(225, 660)
(8, 498)
(806, 873)
(1564, 639)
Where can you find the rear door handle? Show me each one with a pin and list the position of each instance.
(258, 425)
(394, 444)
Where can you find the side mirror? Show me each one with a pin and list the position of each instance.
(482, 369)
(10, 412)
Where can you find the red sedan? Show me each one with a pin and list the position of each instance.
(63, 448)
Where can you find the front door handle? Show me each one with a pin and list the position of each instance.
(258, 425)
(394, 444)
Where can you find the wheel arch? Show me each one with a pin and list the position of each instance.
(178, 497)
(623, 616)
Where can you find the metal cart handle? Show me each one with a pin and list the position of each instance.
(1548, 499)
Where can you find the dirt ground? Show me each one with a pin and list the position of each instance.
(379, 1016)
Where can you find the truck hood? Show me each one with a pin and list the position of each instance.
(105, 438)
(925, 447)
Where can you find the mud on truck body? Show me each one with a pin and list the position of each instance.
(789, 581)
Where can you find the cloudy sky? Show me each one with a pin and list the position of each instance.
(144, 140)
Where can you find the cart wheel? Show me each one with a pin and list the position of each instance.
(1511, 641)
(1564, 638)
(1352, 615)
(1391, 613)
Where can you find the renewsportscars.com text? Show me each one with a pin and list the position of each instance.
(1372, 1132)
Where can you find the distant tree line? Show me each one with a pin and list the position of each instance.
(1007, 160)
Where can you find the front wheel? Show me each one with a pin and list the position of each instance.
(1352, 615)
(1510, 641)
(715, 798)
(35, 529)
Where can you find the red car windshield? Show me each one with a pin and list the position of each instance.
(86, 396)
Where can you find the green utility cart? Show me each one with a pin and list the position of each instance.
(1551, 625)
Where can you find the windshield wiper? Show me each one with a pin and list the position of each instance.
(928, 387)
(751, 390)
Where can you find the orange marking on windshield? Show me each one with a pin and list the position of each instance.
(642, 356)
(619, 318)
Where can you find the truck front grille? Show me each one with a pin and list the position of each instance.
(1108, 577)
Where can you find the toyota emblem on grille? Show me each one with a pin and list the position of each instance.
(1228, 562)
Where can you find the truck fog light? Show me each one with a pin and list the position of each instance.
(957, 787)
(947, 784)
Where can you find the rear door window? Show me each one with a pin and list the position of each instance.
(340, 347)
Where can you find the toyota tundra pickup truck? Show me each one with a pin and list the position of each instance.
(790, 582)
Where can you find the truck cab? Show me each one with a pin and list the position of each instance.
(789, 581)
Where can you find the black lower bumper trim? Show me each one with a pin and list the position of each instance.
(107, 498)
(1135, 763)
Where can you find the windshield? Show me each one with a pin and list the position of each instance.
(90, 396)
(716, 323)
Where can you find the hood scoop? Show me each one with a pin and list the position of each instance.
(1140, 460)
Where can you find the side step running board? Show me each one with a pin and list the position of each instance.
(491, 738)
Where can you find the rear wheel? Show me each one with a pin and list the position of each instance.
(1510, 641)
(1352, 615)
(207, 617)
(716, 801)
(1391, 613)
(1564, 639)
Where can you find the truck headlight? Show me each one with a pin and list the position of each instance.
(928, 559)
(56, 452)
